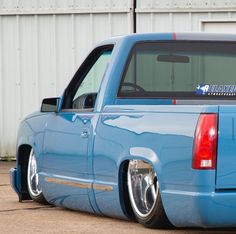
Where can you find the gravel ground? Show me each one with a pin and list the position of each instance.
(30, 217)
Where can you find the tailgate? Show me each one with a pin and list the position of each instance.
(226, 157)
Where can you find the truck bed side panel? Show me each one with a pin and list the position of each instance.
(161, 135)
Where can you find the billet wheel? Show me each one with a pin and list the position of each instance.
(144, 193)
(34, 186)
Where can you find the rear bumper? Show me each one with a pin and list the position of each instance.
(14, 181)
(196, 209)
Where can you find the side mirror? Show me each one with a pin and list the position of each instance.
(50, 104)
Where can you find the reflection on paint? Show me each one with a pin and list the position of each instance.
(141, 124)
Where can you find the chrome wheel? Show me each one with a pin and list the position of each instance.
(143, 187)
(33, 177)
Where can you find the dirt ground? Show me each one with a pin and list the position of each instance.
(30, 217)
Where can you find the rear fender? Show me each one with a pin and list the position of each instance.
(146, 154)
(136, 153)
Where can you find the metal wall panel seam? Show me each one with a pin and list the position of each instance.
(1, 95)
(134, 15)
(54, 56)
(73, 42)
(200, 26)
(36, 34)
(36, 2)
(19, 85)
(54, 3)
(19, 81)
(152, 21)
(138, 16)
(190, 21)
(110, 24)
(209, 15)
(130, 16)
(73, 4)
(130, 22)
(91, 38)
(171, 21)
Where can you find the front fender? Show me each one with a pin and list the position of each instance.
(30, 135)
(25, 135)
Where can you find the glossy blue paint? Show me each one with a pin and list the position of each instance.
(66, 156)
(161, 135)
(126, 101)
(81, 153)
(226, 164)
(13, 180)
(204, 209)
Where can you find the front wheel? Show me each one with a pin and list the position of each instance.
(34, 186)
(144, 193)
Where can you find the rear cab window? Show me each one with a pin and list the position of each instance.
(180, 70)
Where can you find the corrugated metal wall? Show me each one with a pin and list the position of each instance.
(42, 43)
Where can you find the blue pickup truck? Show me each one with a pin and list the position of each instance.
(145, 130)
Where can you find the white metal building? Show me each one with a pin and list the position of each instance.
(42, 42)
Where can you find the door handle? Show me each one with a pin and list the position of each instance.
(85, 133)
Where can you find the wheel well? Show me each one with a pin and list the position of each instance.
(124, 193)
(23, 159)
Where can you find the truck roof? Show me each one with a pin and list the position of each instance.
(199, 36)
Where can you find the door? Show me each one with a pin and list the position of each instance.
(218, 26)
(67, 147)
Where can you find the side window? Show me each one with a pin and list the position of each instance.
(82, 91)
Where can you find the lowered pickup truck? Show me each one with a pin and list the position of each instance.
(145, 130)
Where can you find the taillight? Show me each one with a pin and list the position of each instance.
(205, 142)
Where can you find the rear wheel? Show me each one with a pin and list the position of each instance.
(144, 193)
(33, 183)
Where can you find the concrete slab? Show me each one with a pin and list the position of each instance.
(30, 217)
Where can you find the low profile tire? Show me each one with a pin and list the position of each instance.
(144, 193)
(34, 187)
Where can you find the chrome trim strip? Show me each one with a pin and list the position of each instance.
(67, 182)
(79, 184)
(102, 187)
